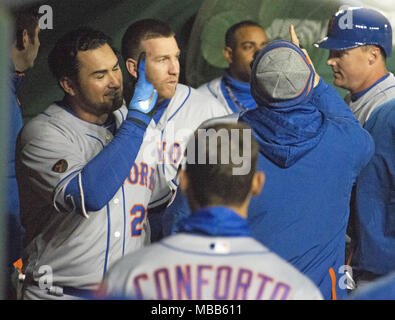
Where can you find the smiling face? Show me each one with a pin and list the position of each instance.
(98, 90)
(162, 65)
(248, 40)
(350, 68)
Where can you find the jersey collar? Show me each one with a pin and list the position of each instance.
(216, 221)
(357, 95)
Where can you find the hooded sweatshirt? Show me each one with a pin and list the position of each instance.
(311, 149)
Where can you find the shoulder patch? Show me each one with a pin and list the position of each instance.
(60, 166)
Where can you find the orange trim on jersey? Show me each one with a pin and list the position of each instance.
(333, 278)
(18, 265)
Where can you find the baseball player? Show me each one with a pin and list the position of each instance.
(214, 258)
(180, 109)
(358, 60)
(23, 53)
(242, 40)
(307, 137)
(83, 181)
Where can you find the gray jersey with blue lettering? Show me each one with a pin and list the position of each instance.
(65, 247)
(187, 266)
(186, 111)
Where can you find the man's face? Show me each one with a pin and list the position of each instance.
(350, 68)
(32, 48)
(162, 65)
(248, 40)
(99, 85)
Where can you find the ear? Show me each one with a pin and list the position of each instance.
(68, 86)
(374, 54)
(184, 182)
(227, 52)
(131, 65)
(258, 180)
(25, 38)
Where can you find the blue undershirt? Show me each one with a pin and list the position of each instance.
(237, 93)
(216, 221)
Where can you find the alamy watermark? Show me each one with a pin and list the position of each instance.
(46, 19)
(225, 142)
(346, 20)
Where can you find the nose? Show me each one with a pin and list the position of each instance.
(331, 61)
(115, 79)
(174, 66)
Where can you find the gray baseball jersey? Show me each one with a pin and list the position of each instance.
(64, 248)
(372, 99)
(186, 111)
(189, 266)
(213, 88)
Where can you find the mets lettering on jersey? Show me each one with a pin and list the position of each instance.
(54, 148)
(187, 110)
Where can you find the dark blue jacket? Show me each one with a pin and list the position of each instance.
(381, 289)
(15, 123)
(311, 155)
(374, 206)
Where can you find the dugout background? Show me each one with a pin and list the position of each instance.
(199, 25)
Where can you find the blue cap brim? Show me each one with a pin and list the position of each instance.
(336, 44)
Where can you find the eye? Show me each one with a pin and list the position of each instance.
(161, 59)
(247, 47)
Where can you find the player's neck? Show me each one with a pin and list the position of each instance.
(240, 210)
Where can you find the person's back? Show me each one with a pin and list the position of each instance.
(382, 288)
(312, 150)
(214, 257)
(191, 266)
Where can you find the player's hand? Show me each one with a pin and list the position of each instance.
(295, 40)
(145, 96)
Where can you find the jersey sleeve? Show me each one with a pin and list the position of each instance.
(72, 175)
(46, 160)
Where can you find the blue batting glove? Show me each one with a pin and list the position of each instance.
(145, 96)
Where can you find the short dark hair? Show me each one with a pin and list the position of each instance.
(142, 30)
(63, 61)
(216, 184)
(25, 18)
(230, 33)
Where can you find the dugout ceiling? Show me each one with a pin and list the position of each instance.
(112, 17)
(200, 26)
